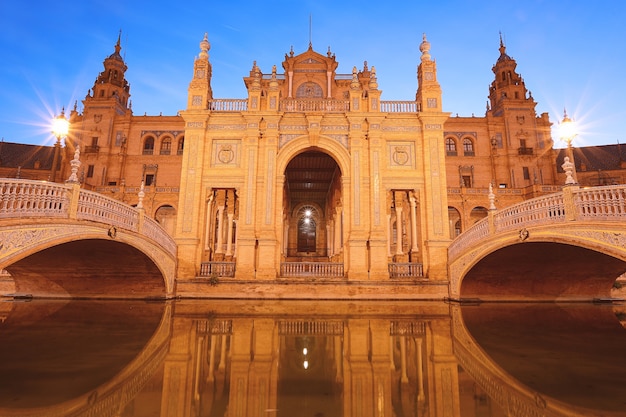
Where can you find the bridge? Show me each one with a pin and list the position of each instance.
(58, 240)
(567, 246)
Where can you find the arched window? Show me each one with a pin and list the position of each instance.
(181, 145)
(166, 146)
(309, 90)
(450, 147)
(468, 147)
(148, 146)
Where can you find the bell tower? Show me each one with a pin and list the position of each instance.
(508, 88)
(111, 87)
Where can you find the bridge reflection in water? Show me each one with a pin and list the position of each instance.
(287, 358)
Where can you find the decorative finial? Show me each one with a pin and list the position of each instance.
(75, 163)
(273, 81)
(502, 47)
(118, 45)
(354, 85)
(373, 80)
(141, 194)
(425, 48)
(492, 198)
(205, 46)
(568, 167)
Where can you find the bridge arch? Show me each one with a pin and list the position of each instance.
(566, 246)
(79, 231)
(68, 258)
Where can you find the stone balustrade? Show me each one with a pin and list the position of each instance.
(313, 104)
(312, 269)
(606, 203)
(398, 106)
(321, 105)
(405, 270)
(217, 269)
(228, 104)
(21, 198)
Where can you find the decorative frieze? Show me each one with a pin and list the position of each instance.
(158, 133)
(227, 127)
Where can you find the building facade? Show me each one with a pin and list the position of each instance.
(313, 173)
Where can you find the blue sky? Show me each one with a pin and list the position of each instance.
(571, 54)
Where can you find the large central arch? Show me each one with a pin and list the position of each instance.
(312, 193)
(314, 199)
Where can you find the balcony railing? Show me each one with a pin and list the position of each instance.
(398, 106)
(91, 149)
(405, 270)
(525, 151)
(318, 105)
(311, 269)
(217, 269)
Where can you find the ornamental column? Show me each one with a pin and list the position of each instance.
(230, 215)
(413, 201)
(398, 200)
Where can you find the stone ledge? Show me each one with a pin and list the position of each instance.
(313, 290)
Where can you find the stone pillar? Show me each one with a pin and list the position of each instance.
(389, 235)
(229, 241)
(399, 229)
(220, 226)
(329, 251)
(338, 215)
(413, 201)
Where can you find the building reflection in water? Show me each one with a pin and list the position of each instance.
(324, 359)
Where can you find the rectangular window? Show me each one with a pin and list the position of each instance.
(466, 181)
(526, 173)
(149, 180)
(90, 169)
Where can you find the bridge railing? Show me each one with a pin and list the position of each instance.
(21, 198)
(606, 203)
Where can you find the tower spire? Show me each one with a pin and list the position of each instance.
(310, 31)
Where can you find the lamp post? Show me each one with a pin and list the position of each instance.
(567, 132)
(60, 129)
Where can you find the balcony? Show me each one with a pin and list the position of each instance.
(405, 270)
(91, 149)
(217, 269)
(311, 269)
(525, 151)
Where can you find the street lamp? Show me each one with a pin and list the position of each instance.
(60, 129)
(567, 132)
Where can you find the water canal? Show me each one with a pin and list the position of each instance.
(319, 359)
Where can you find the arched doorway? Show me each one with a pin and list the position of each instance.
(307, 230)
(311, 207)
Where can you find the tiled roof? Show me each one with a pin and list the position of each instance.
(14, 155)
(594, 158)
